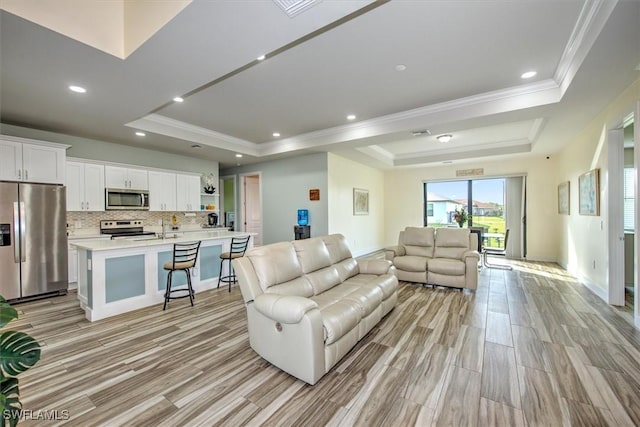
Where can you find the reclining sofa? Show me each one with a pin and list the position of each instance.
(309, 301)
(443, 256)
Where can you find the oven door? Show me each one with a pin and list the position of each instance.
(123, 199)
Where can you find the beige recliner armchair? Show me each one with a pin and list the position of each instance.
(443, 256)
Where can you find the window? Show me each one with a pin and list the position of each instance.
(429, 209)
(629, 199)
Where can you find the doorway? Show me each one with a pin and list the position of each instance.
(228, 201)
(251, 205)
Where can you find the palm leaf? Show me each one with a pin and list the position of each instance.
(7, 313)
(10, 405)
(18, 352)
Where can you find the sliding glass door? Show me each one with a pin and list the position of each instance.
(485, 204)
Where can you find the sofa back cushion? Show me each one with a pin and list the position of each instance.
(278, 269)
(451, 243)
(340, 256)
(418, 241)
(312, 254)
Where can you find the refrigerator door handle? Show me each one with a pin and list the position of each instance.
(16, 233)
(23, 233)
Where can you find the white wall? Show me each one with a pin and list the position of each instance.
(584, 239)
(365, 233)
(285, 189)
(404, 198)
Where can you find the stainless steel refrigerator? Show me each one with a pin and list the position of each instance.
(33, 240)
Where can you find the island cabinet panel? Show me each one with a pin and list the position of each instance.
(210, 261)
(178, 278)
(124, 277)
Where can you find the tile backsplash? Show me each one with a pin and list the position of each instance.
(82, 220)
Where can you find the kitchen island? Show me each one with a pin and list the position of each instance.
(118, 276)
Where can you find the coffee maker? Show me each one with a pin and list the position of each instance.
(213, 219)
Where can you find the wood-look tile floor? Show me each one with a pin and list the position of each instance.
(530, 347)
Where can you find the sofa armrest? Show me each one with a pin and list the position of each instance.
(471, 254)
(287, 309)
(393, 251)
(375, 266)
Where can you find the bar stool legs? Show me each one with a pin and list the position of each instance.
(168, 290)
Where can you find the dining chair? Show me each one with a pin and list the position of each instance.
(238, 248)
(184, 259)
(486, 251)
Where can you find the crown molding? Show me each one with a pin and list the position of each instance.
(593, 16)
(463, 155)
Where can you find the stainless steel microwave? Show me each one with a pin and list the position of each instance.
(121, 199)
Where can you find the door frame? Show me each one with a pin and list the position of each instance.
(241, 205)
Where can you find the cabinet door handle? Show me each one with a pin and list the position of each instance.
(87, 205)
(19, 173)
(26, 174)
(81, 206)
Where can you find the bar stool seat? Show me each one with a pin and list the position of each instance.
(238, 248)
(185, 256)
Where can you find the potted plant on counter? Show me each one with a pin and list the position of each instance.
(18, 352)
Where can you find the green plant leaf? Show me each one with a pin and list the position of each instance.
(10, 405)
(18, 352)
(7, 313)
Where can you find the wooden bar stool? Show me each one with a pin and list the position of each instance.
(238, 248)
(184, 258)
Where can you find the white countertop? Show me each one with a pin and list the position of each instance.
(145, 241)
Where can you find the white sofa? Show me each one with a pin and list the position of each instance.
(443, 256)
(309, 301)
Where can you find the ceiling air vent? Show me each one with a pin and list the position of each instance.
(294, 7)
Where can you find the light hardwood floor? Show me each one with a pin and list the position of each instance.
(530, 347)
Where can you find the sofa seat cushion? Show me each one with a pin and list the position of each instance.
(387, 283)
(367, 297)
(451, 267)
(339, 318)
(411, 263)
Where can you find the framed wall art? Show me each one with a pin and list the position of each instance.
(563, 198)
(589, 193)
(360, 201)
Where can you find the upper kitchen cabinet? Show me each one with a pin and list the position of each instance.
(188, 194)
(119, 177)
(85, 187)
(162, 191)
(32, 161)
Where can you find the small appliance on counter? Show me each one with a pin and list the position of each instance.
(123, 228)
(212, 219)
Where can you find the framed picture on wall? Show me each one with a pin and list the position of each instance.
(360, 201)
(563, 198)
(589, 193)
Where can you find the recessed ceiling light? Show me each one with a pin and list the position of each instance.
(141, 133)
(528, 74)
(351, 117)
(447, 162)
(261, 57)
(444, 138)
(77, 89)
(178, 99)
(401, 67)
(276, 134)
(196, 146)
(238, 155)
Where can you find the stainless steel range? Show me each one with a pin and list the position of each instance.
(124, 228)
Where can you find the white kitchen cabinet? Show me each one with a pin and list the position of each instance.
(32, 161)
(119, 177)
(85, 187)
(162, 191)
(188, 192)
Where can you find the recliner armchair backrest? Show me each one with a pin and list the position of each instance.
(418, 241)
(452, 243)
